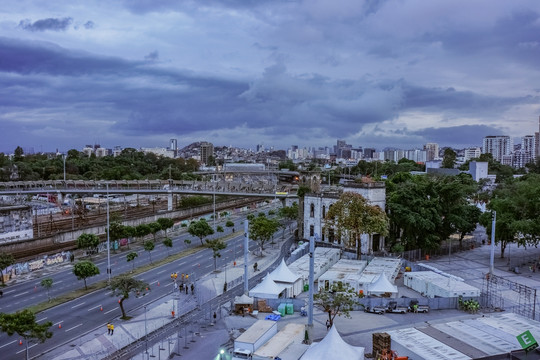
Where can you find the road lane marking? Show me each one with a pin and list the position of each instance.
(76, 326)
(41, 319)
(8, 344)
(58, 322)
(31, 346)
(111, 310)
(162, 271)
(95, 307)
(73, 307)
(20, 294)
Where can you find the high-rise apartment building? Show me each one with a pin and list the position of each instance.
(537, 140)
(207, 150)
(472, 153)
(432, 151)
(498, 146)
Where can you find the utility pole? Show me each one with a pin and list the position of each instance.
(108, 238)
(246, 248)
(311, 278)
(492, 254)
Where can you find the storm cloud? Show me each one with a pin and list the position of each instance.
(375, 73)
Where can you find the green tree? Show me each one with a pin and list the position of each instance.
(167, 242)
(219, 228)
(517, 206)
(18, 154)
(47, 283)
(84, 270)
(262, 229)
(123, 285)
(165, 224)
(229, 224)
(142, 230)
(467, 222)
(200, 229)
(216, 245)
(131, 257)
(24, 324)
(6, 260)
(353, 216)
(449, 159)
(339, 299)
(154, 229)
(149, 246)
(88, 242)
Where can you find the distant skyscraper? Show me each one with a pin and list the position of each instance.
(173, 144)
(432, 151)
(498, 146)
(472, 153)
(207, 150)
(537, 140)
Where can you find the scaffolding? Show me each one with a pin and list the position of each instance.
(500, 294)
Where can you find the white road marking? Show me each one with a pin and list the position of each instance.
(95, 307)
(20, 294)
(31, 346)
(76, 326)
(111, 310)
(73, 307)
(41, 319)
(8, 343)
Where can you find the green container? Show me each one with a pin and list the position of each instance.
(289, 309)
(281, 309)
(306, 287)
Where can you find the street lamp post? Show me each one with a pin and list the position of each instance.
(145, 334)
(108, 238)
(64, 168)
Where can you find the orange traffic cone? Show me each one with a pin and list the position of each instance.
(60, 325)
(101, 308)
(119, 301)
(173, 313)
(20, 342)
(158, 283)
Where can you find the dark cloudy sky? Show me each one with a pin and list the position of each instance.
(278, 72)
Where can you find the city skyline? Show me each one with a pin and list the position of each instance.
(373, 73)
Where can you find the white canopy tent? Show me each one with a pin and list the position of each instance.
(244, 299)
(283, 276)
(267, 289)
(333, 347)
(382, 286)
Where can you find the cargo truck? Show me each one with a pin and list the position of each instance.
(253, 338)
(278, 346)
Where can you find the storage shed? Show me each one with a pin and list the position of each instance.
(431, 284)
(345, 271)
(324, 258)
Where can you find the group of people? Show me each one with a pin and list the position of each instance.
(182, 287)
(110, 328)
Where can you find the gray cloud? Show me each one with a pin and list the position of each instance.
(89, 24)
(52, 24)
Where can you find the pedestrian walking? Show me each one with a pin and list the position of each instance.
(327, 325)
(192, 289)
(175, 286)
(186, 289)
(215, 315)
(108, 328)
(112, 329)
(1, 293)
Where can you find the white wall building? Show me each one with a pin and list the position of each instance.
(316, 206)
(498, 146)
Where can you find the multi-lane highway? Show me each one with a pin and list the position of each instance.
(74, 318)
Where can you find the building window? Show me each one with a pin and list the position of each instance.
(312, 210)
(324, 211)
(331, 235)
(311, 230)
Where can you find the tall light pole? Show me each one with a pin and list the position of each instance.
(145, 334)
(64, 155)
(108, 238)
(492, 253)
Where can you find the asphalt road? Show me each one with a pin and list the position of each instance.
(72, 319)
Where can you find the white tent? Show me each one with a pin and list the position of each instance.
(381, 286)
(267, 289)
(282, 275)
(244, 299)
(333, 347)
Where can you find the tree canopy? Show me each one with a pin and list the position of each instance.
(84, 270)
(200, 229)
(216, 245)
(339, 299)
(6, 260)
(24, 324)
(261, 230)
(123, 285)
(88, 242)
(352, 216)
(518, 212)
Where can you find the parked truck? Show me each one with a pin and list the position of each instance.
(253, 338)
(417, 308)
(287, 340)
(393, 307)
